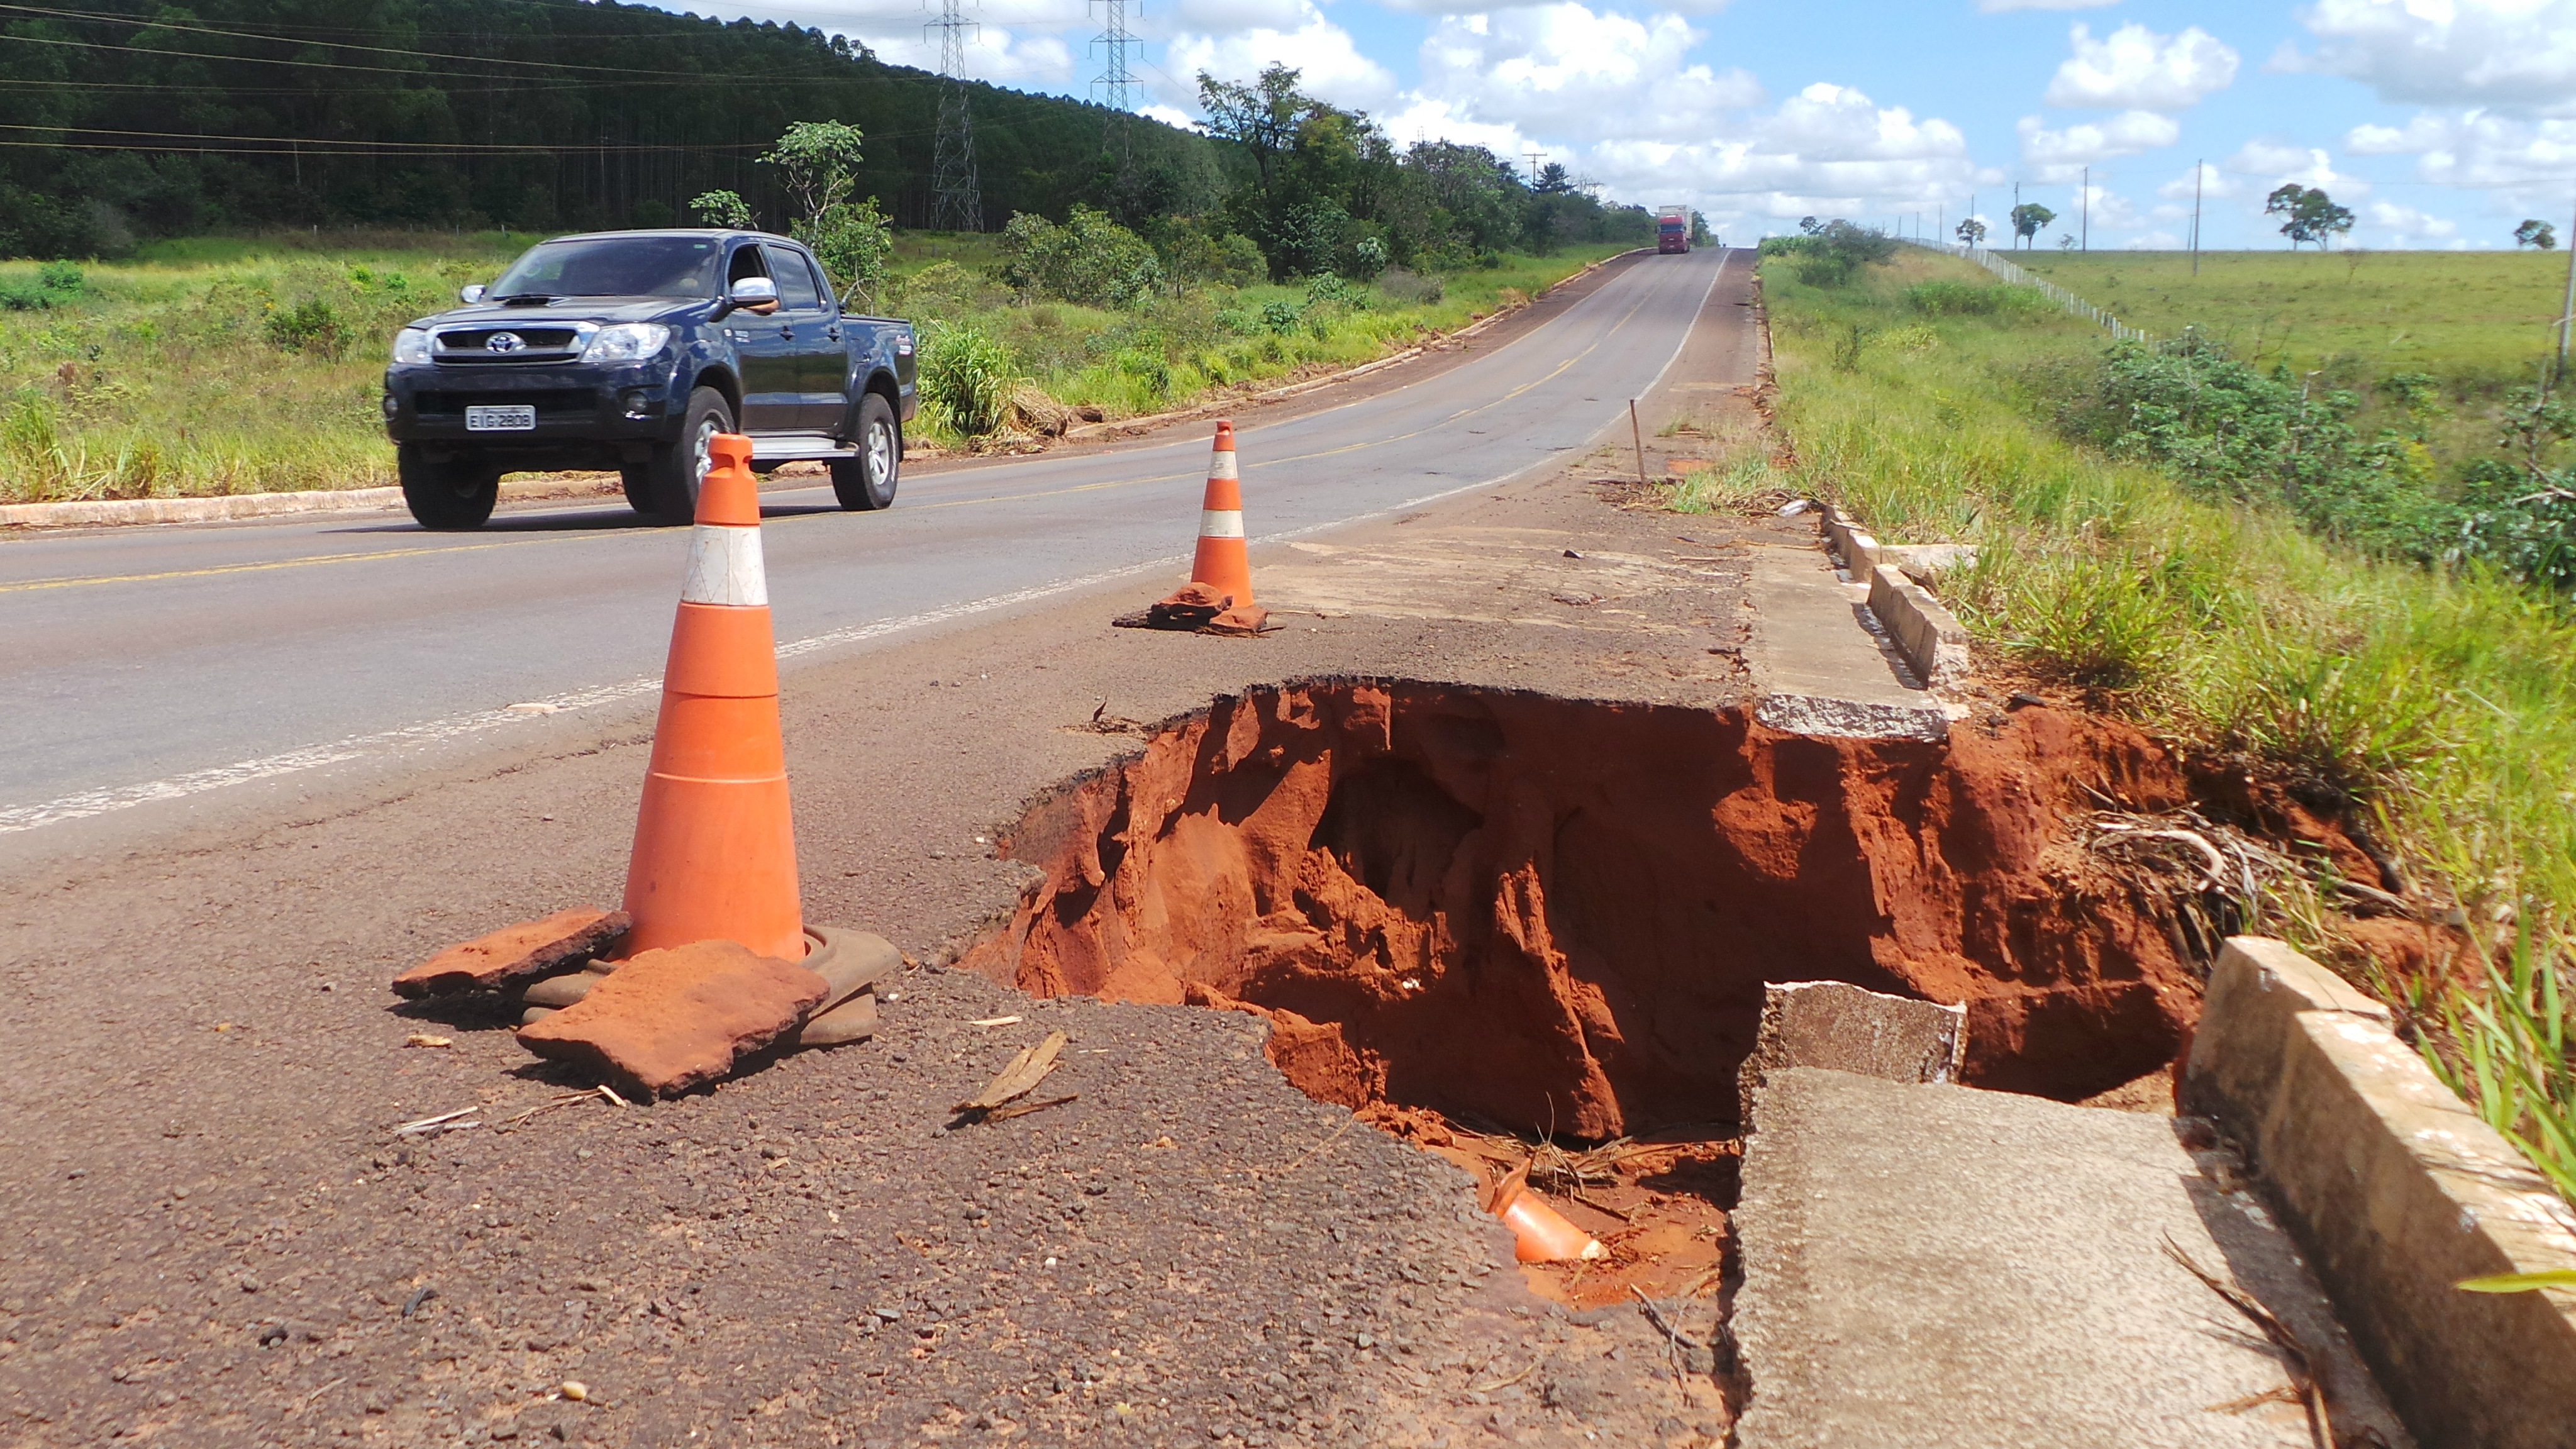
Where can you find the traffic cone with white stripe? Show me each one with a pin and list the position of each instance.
(715, 850)
(1219, 597)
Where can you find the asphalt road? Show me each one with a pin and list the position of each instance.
(154, 664)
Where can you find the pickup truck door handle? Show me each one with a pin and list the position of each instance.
(833, 332)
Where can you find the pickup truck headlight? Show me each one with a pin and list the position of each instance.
(411, 345)
(627, 342)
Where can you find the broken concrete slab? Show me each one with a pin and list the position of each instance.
(677, 1018)
(1845, 1028)
(515, 953)
(2398, 1191)
(1939, 1265)
(1854, 719)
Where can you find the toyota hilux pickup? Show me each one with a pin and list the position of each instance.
(631, 350)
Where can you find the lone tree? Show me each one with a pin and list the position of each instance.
(1972, 231)
(2028, 218)
(819, 162)
(2536, 234)
(2309, 215)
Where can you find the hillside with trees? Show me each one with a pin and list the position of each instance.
(133, 119)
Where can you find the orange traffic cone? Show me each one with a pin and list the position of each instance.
(715, 851)
(1219, 596)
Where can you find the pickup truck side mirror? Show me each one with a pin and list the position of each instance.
(754, 294)
(470, 294)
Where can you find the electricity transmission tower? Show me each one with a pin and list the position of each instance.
(1116, 85)
(957, 199)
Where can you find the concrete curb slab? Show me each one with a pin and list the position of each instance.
(2397, 1191)
(1932, 638)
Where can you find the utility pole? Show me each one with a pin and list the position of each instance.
(2199, 173)
(2087, 229)
(1535, 156)
(1116, 84)
(2016, 217)
(957, 198)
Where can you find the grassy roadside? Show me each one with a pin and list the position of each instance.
(240, 365)
(2481, 318)
(2443, 701)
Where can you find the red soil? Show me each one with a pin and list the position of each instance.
(1557, 915)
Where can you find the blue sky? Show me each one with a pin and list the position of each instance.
(2441, 123)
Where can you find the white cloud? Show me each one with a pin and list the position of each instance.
(2058, 154)
(2202, 180)
(1565, 72)
(2133, 68)
(1330, 63)
(2513, 55)
(2526, 162)
(1995, 7)
(2410, 227)
(1828, 149)
(1455, 8)
(2154, 241)
(1019, 43)
(1224, 17)
(2273, 163)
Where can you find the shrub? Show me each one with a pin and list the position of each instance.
(967, 376)
(1411, 289)
(311, 326)
(1281, 318)
(1090, 260)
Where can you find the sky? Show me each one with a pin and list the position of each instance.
(2439, 123)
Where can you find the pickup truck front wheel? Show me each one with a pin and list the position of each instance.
(665, 486)
(866, 483)
(448, 496)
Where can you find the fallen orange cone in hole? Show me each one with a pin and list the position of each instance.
(1540, 1234)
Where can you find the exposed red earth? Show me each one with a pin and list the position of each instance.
(1558, 915)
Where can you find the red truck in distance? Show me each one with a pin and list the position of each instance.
(1672, 230)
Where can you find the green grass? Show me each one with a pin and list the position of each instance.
(2444, 700)
(2481, 319)
(249, 364)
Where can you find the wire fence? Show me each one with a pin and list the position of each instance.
(2010, 271)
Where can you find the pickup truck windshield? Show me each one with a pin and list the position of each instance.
(648, 266)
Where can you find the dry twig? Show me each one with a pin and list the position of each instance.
(2303, 1388)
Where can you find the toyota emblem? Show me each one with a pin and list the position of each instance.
(503, 342)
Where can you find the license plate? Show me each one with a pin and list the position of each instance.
(500, 419)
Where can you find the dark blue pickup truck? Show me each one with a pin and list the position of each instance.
(630, 350)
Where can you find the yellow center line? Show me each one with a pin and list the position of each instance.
(1022, 497)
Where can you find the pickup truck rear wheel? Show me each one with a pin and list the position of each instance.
(448, 496)
(866, 483)
(667, 491)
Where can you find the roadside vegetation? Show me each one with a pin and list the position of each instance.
(2172, 531)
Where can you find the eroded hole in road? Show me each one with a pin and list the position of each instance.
(1501, 923)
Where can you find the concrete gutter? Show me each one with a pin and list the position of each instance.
(2397, 1191)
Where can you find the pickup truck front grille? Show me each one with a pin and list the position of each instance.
(564, 402)
(473, 345)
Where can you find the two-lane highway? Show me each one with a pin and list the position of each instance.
(157, 663)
